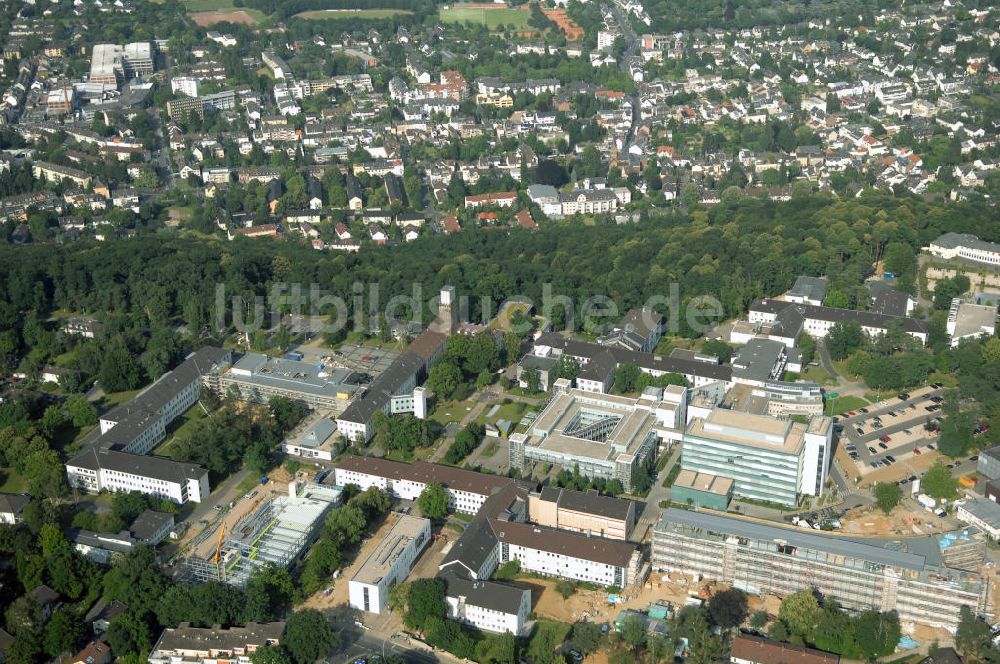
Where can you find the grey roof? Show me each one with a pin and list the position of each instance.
(318, 433)
(502, 597)
(590, 502)
(986, 510)
(642, 360)
(475, 546)
(543, 191)
(813, 288)
(13, 503)
(797, 537)
(864, 318)
(641, 321)
(120, 543)
(756, 360)
(214, 638)
(402, 369)
(538, 362)
(886, 300)
(149, 523)
(105, 610)
(159, 468)
(953, 240)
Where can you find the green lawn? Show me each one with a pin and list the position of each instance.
(11, 482)
(208, 5)
(512, 412)
(115, 398)
(818, 375)
(843, 404)
(446, 412)
(181, 425)
(334, 14)
(491, 18)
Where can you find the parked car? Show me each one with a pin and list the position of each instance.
(903, 396)
(916, 451)
(863, 410)
(872, 450)
(883, 446)
(890, 458)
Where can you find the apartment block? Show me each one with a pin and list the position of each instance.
(213, 645)
(906, 575)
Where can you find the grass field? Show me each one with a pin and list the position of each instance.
(180, 426)
(490, 17)
(333, 14)
(207, 12)
(843, 404)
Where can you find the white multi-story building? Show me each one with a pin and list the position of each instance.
(389, 563)
(487, 605)
(816, 321)
(185, 85)
(467, 490)
(115, 461)
(970, 321)
(767, 459)
(212, 645)
(969, 247)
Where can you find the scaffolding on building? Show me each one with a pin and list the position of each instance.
(276, 533)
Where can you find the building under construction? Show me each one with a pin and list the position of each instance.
(275, 533)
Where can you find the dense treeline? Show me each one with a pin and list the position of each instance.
(736, 251)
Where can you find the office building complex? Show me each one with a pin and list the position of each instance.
(389, 564)
(606, 436)
(909, 576)
(110, 63)
(583, 512)
(767, 459)
(115, 458)
(259, 377)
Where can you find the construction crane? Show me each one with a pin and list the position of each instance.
(218, 548)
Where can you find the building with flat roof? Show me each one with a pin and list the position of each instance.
(276, 533)
(209, 645)
(111, 63)
(389, 563)
(767, 459)
(908, 575)
(970, 321)
(966, 246)
(259, 377)
(702, 490)
(611, 437)
(981, 513)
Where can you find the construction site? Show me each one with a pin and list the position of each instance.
(275, 532)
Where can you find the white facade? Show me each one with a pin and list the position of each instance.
(467, 502)
(548, 563)
(389, 564)
(487, 605)
(185, 85)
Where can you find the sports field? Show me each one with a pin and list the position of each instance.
(327, 14)
(209, 12)
(490, 16)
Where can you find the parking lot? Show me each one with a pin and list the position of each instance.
(891, 429)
